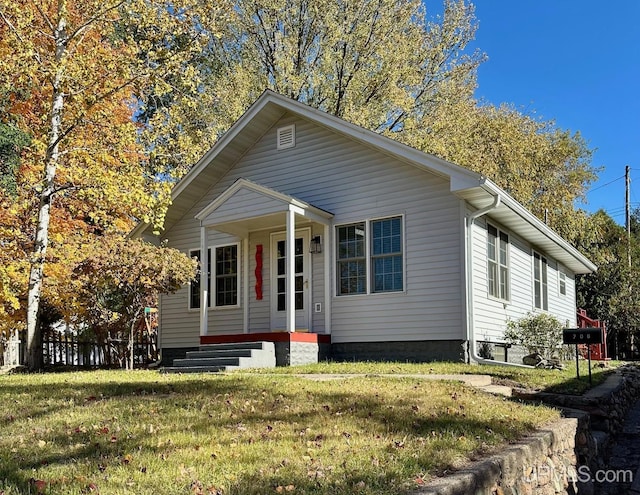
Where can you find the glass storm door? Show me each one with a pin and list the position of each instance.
(279, 281)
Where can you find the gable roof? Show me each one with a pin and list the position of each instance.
(265, 112)
(227, 213)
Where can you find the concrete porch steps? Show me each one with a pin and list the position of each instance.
(224, 357)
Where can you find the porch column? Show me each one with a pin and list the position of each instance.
(204, 282)
(245, 283)
(291, 271)
(328, 269)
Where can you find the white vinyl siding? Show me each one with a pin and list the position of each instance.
(491, 314)
(354, 183)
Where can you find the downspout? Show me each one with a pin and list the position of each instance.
(468, 269)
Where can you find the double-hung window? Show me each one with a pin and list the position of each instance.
(498, 263)
(540, 283)
(370, 256)
(226, 271)
(225, 274)
(562, 282)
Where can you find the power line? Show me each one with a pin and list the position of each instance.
(605, 185)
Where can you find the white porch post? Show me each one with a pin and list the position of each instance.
(204, 282)
(245, 284)
(291, 271)
(328, 269)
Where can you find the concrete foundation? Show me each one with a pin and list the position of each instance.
(405, 351)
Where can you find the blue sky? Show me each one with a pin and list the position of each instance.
(576, 62)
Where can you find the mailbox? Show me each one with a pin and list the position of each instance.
(591, 335)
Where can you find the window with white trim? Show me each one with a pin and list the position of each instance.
(562, 282)
(225, 273)
(498, 263)
(194, 286)
(370, 249)
(540, 282)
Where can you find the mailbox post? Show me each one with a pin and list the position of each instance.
(587, 336)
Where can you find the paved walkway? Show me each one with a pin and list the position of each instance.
(622, 475)
(482, 382)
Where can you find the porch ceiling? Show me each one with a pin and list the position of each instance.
(241, 228)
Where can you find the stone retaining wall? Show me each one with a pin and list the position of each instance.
(543, 463)
(560, 459)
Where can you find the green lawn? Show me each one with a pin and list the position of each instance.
(561, 381)
(141, 432)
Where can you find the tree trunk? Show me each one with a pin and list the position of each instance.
(36, 275)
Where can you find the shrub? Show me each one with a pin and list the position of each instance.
(538, 332)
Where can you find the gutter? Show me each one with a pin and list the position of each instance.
(468, 270)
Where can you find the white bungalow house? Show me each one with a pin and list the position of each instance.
(331, 240)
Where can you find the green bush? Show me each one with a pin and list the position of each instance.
(538, 332)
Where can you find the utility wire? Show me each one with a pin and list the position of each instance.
(605, 185)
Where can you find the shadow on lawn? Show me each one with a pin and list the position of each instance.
(216, 404)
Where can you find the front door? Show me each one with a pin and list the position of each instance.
(302, 280)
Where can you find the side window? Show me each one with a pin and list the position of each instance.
(194, 286)
(540, 282)
(498, 263)
(562, 282)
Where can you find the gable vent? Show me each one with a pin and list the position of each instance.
(286, 137)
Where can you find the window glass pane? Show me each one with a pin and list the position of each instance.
(563, 283)
(493, 279)
(504, 241)
(226, 272)
(194, 288)
(386, 236)
(504, 284)
(352, 277)
(281, 266)
(299, 264)
(351, 259)
(491, 243)
(498, 263)
(387, 273)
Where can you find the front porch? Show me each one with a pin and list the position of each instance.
(268, 265)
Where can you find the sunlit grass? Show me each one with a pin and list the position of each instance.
(146, 433)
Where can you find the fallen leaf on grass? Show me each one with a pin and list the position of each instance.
(39, 485)
(282, 489)
(92, 488)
